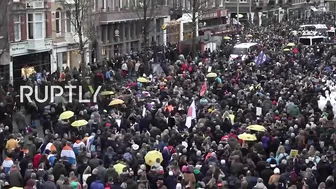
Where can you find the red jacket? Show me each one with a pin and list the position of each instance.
(36, 161)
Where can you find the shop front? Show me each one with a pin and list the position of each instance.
(65, 56)
(22, 57)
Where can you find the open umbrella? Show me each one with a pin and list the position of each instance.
(247, 137)
(211, 75)
(286, 50)
(79, 123)
(257, 128)
(107, 93)
(116, 102)
(249, 35)
(16, 187)
(291, 44)
(152, 156)
(226, 37)
(142, 80)
(66, 115)
(119, 167)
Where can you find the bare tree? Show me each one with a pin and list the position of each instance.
(83, 23)
(147, 11)
(4, 40)
(198, 8)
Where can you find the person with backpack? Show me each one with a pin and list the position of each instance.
(281, 154)
(285, 179)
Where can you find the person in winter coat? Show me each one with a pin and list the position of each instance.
(59, 169)
(160, 185)
(50, 183)
(28, 172)
(97, 184)
(267, 173)
(60, 181)
(66, 184)
(30, 146)
(15, 177)
(260, 184)
(189, 179)
(92, 178)
(30, 184)
(170, 181)
(20, 120)
(274, 179)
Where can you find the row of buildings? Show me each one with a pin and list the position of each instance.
(41, 33)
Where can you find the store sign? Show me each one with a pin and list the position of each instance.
(18, 48)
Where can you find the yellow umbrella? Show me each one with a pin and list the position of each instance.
(211, 75)
(16, 187)
(291, 44)
(116, 102)
(66, 115)
(142, 80)
(257, 128)
(247, 137)
(152, 156)
(119, 168)
(226, 37)
(79, 123)
(249, 35)
(107, 93)
(286, 50)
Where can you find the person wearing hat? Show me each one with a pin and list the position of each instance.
(260, 184)
(274, 179)
(170, 181)
(92, 178)
(266, 173)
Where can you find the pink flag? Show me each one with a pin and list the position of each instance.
(191, 114)
(203, 89)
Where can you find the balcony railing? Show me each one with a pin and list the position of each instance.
(36, 4)
(39, 44)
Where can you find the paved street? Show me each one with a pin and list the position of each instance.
(39, 128)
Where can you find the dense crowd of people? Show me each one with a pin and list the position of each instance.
(198, 122)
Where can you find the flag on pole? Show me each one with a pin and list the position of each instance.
(203, 89)
(191, 114)
(261, 58)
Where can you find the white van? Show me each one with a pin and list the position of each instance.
(243, 49)
(311, 40)
(314, 27)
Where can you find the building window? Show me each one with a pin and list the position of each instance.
(227, 1)
(17, 27)
(243, 1)
(35, 26)
(65, 58)
(68, 21)
(103, 6)
(58, 21)
(39, 26)
(30, 26)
